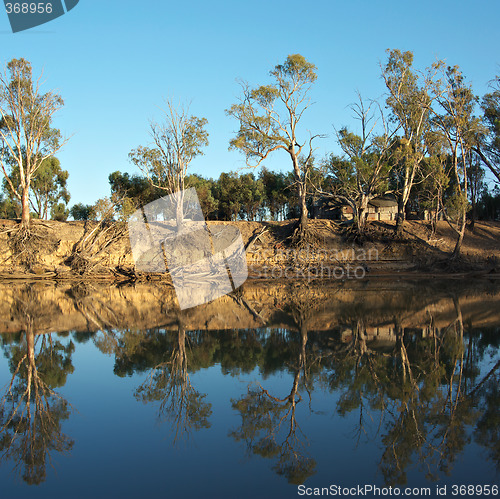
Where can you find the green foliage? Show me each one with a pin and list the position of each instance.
(177, 140)
(131, 192)
(238, 196)
(26, 132)
(296, 70)
(9, 208)
(269, 118)
(204, 189)
(489, 205)
(227, 194)
(59, 212)
(81, 211)
(48, 187)
(276, 195)
(251, 194)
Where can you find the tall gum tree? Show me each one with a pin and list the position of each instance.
(453, 118)
(26, 135)
(362, 172)
(409, 101)
(488, 144)
(269, 117)
(176, 141)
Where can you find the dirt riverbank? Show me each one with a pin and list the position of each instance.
(75, 250)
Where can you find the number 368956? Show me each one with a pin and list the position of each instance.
(28, 8)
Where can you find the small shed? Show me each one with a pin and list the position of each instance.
(382, 208)
(379, 208)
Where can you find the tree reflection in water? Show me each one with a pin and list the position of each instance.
(419, 395)
(424, 395)
(31, 412)
(269, 424)
(169, 384)
(425, 392)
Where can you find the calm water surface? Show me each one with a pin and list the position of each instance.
(113, 392)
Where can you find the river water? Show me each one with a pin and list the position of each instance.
(274, 391)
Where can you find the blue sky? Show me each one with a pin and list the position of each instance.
(113, 62)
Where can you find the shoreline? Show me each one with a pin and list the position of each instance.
(59, 254)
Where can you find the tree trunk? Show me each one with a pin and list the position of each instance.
(458, 245)
(303, 209)
(179, 209)
(25, 205)
(400, 220)
(473, 212)
(300, 230)
(361, 215)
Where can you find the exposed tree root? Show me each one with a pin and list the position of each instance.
(88, 252)
(304, 236)
(353, 234)
(26, 243)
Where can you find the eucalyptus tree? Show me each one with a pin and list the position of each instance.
(488, 146)
(176, 141)
(454, 120)
(269, 117)
(27, 138)
(275, 186)
(362, 172)
(409, 101)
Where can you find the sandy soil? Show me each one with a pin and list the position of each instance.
(56, 251)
